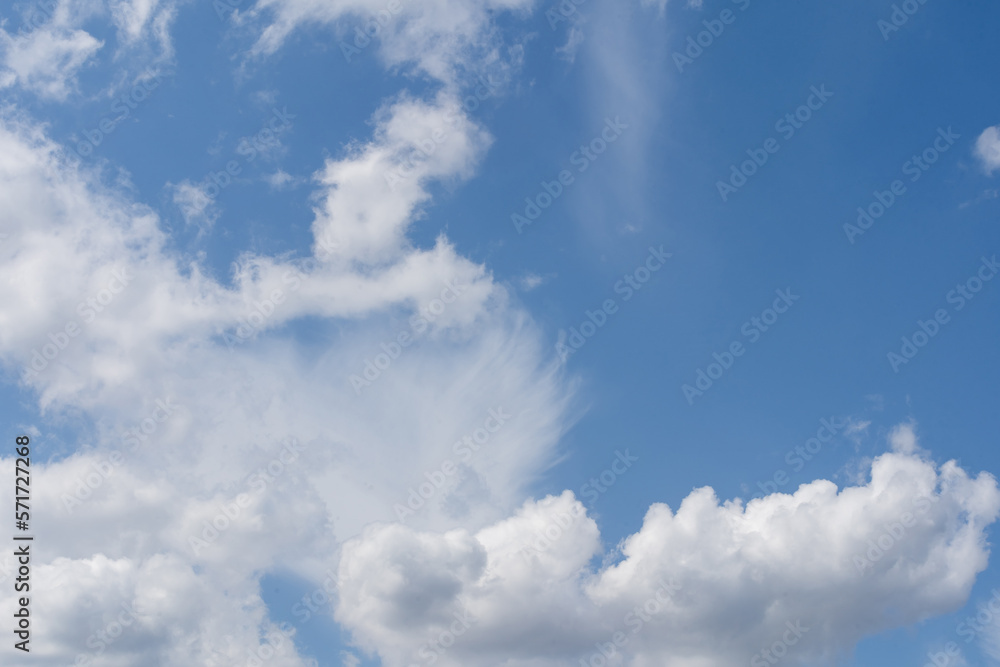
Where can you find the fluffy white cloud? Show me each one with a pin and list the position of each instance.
(108, 585)
(988, 149)
(373, 193)
(712, 583)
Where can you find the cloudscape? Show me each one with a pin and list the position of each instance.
(499, 333)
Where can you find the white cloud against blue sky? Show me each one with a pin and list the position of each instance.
(502, 333)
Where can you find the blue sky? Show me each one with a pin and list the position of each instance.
(250, 138)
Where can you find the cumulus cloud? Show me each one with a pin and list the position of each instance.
(834, 564)
(988, 149)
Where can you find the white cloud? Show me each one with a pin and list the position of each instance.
(988, 149)
(132, 18)
(67, 236)
(47, 60)
(530, 281)
(442, 38)
(47, 54)
(148, 334)
(743, 570)
(120, 593)
(987, 195)
(280, 179)
(744, 573)
(197, 207)
(903, 438)
(612, 59)
(146, 324)
(374, 192)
